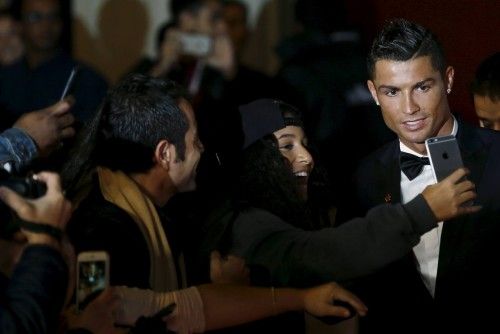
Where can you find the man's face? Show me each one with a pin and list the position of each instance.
(412, 96)
(183, 172)
(42, 24)
(488, 112)
(234, 17)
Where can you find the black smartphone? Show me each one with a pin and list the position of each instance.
(69, 83)
(444, 155)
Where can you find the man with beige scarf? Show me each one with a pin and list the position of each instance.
(140, 150)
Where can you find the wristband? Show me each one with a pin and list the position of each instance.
(54, 232)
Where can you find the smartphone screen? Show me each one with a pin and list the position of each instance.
(444, 155)
(197, 45)
(92, 276)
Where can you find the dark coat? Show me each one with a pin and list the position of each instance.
(396, 297)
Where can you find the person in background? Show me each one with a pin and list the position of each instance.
(11, 45)
(235, 15)
(486, 92)
(39, 77)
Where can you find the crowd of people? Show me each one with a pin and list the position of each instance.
(216, 191)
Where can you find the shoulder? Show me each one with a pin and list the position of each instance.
(252, 214)
(96, 215)
(384, 154)
(86, 72)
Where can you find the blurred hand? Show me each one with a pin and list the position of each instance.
(51, 209)
(49, 126)
(99, 315)
(231, 270)
(318, 301)
(445, 198)
(222, 57)
(170, 51)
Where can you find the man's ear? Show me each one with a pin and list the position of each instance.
(449, 77)
(373, 90)
(164, 153)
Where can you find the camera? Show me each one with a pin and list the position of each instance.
(26, 187)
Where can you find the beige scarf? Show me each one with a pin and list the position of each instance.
(121, 190)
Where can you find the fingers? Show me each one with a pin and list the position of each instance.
(52, 180)
(465, 186)
(68, 133)
(470, 209)
(346, 296)
(21, 206)
(457, 175)
(61, 107)
(215, 257)
(65, 120)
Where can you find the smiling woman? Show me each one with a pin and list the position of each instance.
(285, 234)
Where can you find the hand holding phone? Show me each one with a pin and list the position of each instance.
(444, 156)
(92, 276)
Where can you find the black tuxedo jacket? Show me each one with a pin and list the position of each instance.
(466, 281)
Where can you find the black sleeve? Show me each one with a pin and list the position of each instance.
(110, 229)
(297, 258)
(34, 297)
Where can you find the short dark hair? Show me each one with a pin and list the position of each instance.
(179, 6)
(402, 40)
(17, 8)
(237, 3)
(139, 112)
(487, 79)
(135, 115)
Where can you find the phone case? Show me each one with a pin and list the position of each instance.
(444, 155)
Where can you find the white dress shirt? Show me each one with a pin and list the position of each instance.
(427, 251)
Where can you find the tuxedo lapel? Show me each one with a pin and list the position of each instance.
(458, 234)
(390, 174)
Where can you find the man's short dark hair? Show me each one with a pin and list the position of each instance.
(137, 113)
(17, 8)
(179, 6)
(487, 79)
(239, 4)
(402, 40)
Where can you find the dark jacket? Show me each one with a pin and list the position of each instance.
(396, 297)
(31, 301)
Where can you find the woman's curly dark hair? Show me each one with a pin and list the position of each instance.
(266, 181)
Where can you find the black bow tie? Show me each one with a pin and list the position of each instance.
(412, 165)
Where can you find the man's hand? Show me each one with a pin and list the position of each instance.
(51, 209)
(231, 270)
(49, 126)
(99, 315)
(319, 301)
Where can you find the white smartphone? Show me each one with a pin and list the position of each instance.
(92, 276)
(198, 45)
(444, 155)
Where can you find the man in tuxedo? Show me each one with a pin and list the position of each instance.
(442, 285)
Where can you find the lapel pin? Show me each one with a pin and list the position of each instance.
(388, 198)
